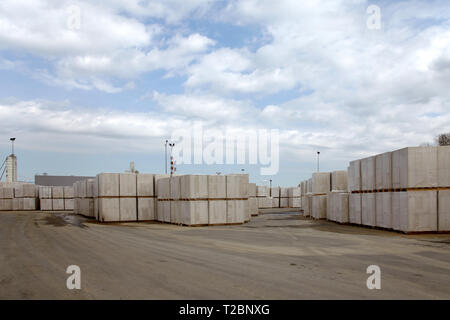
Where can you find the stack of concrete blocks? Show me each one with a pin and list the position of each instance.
(58, 198)
(86, 198)
(444, 194)
(275, 193)
(6, 198)
(159, 214)
(146, 201)
(252, 200)
(68, 198)
(354, 187)
(368, 204)
(263, 196)
(295, 197)
(164, 199)
(321, 186)
(217, 203)
(284, 197)
(338, 198)
(193, 207)
(107, 197)
(307, 200)
(237, 199)
(26, 197)
(383, 185)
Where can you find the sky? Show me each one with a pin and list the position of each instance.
(88, 87)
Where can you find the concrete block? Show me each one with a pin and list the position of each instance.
(18, 191)
(28, 190)
(96, 209)
(156, 179)
(163, 188)
(368, 174)
(303, 187)
(145, 185)
(45, 192)
(128, 209)
(217, 187)
(319, 206)
(252, 190)
(275, 202)
(68, 204)
(383, 208)
(127, 185)
(355, 208)
(58, 204)
(247, 214)
(175, 187)
(262, 191)
(237, 186)
(108, 208)
(68, 192)
(17, 204)
(176, 214)
(284, 192)
(217, 211)
(235, 211)
(194, 186)
(321, 183)
(275, 192)
(444, 210)
(30, 204)
(253, 206)
(108, 186)
(414, 211)
(57, 192)
(7, 192)
(368, 209)
(82, 189)
(354, 176)
(305, 206)
(444, 166)
(75, 205)
(264, 203)
(383, 171)
(415, 167)
(91, 186)
(284, 202)
(339, 203)
(194, 212)
(6, 204)
(46, 204)
(309, 186)
(295, 202)
(146, 209)
(164, 211)
(294, 192)
(339, 182)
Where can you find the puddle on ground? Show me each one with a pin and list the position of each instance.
(63, 219)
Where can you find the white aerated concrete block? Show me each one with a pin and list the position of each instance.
(217, 211)
(30, 204)
(339, 181)
(284, 202)
(415, 211)
(194, 187)
(383, 171)
(156, 179)
(247, 214)
(57, 192)
(91, 186)
(237, 186)
(176, 215)
(146, 209)
(17, 204)
(58, 204)
(128, 209)
(321, 183)
(319, 206)
(264, 203)
(68, 204)
(295, 202)
(127, 185)
(444, 210)
(338, 207)
(217, 187)
(354, 176)
(444, 166)
(368, 173)
(18, 191)
(108, 186)
(261, 191)
(355, 208)
(368, 209)
(253, 206)
(163, 188)
(145, 187)
(295, 192)
(108, 208)
(235, 211)
(310, 186)
(46, 204)
(175, 187)
(8, 193)
(284, 192)
(252, 190)
(383, 208)
(194, 212)
(275, 192)
(275, 202)
(6, 204)
(415, 167)
(68, 192)
(305, 206)
(303, 187)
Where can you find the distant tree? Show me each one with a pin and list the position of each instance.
(443, 139)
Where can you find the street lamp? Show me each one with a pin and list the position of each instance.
(166, 154)
(12, 144)
(171, 145)
(318, 157)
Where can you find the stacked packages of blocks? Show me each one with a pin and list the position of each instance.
(19, 197)
(56, 198)
(406, 190)
(286, 197)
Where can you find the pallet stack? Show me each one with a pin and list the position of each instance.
(321, 186)
(252, 200)
(83, 198)
(295, 197)
(263, 196)
(275, 194)
(338, 198)
(26, 197)
(6, 197)
(284, 197)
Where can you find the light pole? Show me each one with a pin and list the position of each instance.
(12, 144)
(171, 145)
(318, 157)
(166, 154)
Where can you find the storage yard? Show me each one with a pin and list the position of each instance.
(156, 236)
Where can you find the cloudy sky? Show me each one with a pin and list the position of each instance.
(89, 86)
